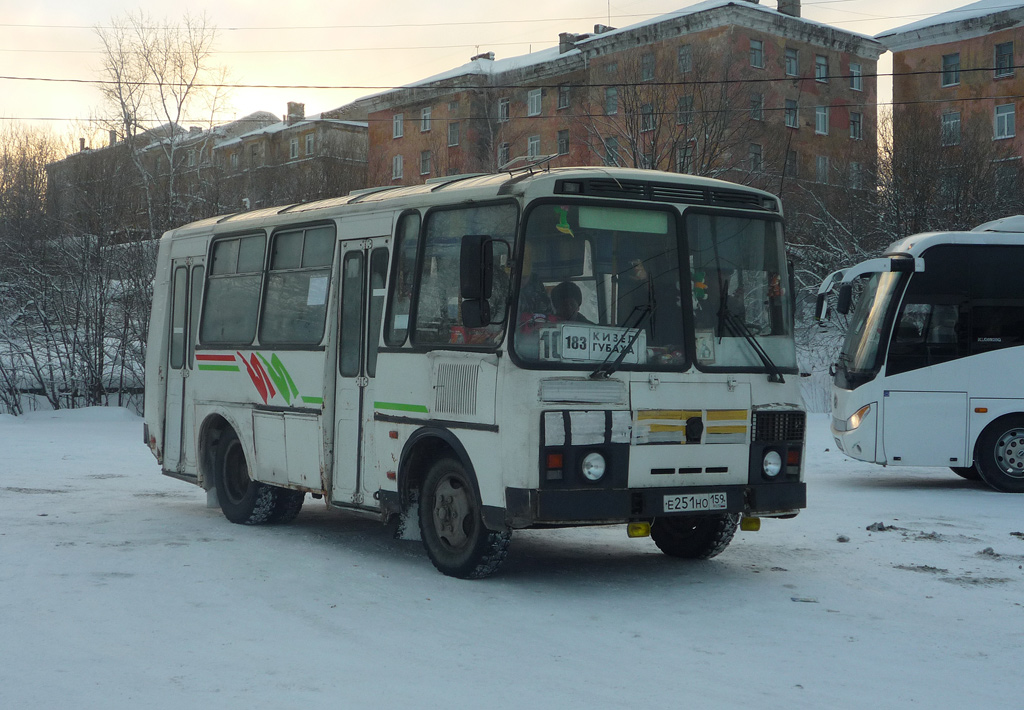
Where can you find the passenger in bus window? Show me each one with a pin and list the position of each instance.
(567, 299)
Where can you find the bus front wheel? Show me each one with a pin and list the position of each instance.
(452, 526)
(1000, 454)
(698, 537)
(242, 500)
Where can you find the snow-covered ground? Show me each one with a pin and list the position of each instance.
(119, 588)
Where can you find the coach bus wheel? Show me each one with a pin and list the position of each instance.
(968, 472)
(452, 527)
(242, 500)
(287, 505)
(694, 536)
(1000, 454)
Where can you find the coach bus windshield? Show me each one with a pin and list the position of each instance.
(609, 287)
(860, 359)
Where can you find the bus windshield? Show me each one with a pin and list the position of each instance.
(601, 289)
(860, 360)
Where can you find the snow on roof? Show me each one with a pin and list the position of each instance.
(714, 5)
(967, 12)
(282, 125)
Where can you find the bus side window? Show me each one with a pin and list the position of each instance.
(233, 291)
(378, 275)
(351, 331)
(406, 244)
(178, 311)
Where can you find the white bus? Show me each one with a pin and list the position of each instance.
(485, 353)
(931, 370)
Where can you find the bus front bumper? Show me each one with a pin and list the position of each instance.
(526, 507)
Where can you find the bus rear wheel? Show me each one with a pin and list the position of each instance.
(242, 500)
(698, 537)
(452, 526)
(1000, 454)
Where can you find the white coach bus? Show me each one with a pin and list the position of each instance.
(487, 353)
(930, 373)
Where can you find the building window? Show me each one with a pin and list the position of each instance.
(821, 120)
(396, 168)
(685, 59)
(951, 128)
(611, 67)
(951, 69)
(611, 101)
(684, 158)
(647, 67)
(424, 119)
(856, 126)
(856, 176)
(563, 142)
(1005, 124)
(293, 147)
(792, 163)
(502, 110)
(684, 110)
(234, 161)
(453, 133)
(310, 137)
(533, 146)
(754, 156)
(1007, 177)
(425, 162)
(820, 68)
(191, 158)
(757, 107)
(856, 77)
(611, 151)
(503, 153)
(792, 62)
(792, 115)
(756, 53)
(821, 169)
(397, 126)
(533, 98)
(1004, 59)
(453, 107)
(647, 117)
(563, 96)
(254, 155)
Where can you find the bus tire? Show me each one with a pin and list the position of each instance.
(696, 537)
(452, 526)
(1000, 454)
(242, 500)
(287, 505)
(968, 472)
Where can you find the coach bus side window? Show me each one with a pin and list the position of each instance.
(233, 291)
(406, 243)
(438, 307)
(997, 299)
(297, 285)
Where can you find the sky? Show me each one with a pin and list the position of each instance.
(352, 48)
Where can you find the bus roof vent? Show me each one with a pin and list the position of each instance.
(666, 192)
(735, 198)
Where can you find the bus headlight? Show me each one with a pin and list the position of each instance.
(771, 464)
(858, 417)
(593, 466)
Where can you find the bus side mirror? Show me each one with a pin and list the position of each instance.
(476, 279)
(845, 299)
(821, 309)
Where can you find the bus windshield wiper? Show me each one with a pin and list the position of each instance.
(604, 369)
(730, 319)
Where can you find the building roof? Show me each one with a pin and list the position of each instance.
(973, 20)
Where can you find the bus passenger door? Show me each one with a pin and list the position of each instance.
(186, 291)
(362, 291)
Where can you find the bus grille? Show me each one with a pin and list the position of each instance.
(455, 392)
(779, 426)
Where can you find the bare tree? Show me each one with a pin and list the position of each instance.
(159, 75)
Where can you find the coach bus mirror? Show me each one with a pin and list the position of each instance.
(845, 299)
(476, 313)
(476, 270)
(821, 309)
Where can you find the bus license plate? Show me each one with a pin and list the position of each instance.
(695, 502)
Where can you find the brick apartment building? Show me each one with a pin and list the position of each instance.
(255, 161)
(728, 88)
(957, 76)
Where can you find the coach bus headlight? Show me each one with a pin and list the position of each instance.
(771, 464)
(593, 466)
(858, 417)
